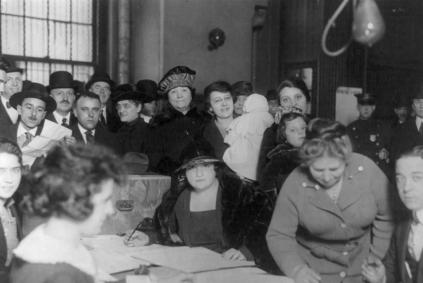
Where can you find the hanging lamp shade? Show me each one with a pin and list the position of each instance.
(368, 25)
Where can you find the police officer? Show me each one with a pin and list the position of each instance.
(370, 136)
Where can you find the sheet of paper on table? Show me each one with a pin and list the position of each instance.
(189, 259)
(112, 255)
(236, 275)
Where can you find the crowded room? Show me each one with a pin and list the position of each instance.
(202, 141)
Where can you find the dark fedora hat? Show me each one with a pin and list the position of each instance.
(9, 66)
(365, 99)
(100, 77)
(401, 101)
(148, 89)
(417, 90)
(34, 90)
(61, 79)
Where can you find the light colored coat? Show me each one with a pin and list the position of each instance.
(307, 227)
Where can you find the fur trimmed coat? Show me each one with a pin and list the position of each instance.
(246, 213)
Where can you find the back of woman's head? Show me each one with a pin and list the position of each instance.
(10, 147)
(325, 138)
(64, 182)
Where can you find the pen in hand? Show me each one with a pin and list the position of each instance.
(133, 231)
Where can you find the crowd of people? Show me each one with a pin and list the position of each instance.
(254, 177)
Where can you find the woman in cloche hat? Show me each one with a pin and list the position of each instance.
(210, 206)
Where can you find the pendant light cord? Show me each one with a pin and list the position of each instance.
(330, 23)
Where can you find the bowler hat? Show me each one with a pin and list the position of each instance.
(179, 76)
(365, 99)
(8, 66)
(61, 79)
(34, 90)
(401, 101)
(148, 89)
(197, 152)
(136, 163)
(100, 77)
(418, 90)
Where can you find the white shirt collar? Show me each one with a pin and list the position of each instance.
(145, 118)
(22, 130)
(82, 130)
(59, 118)
(418, 121)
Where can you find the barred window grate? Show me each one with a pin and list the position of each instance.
(44, 36)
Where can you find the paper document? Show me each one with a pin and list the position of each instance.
(39, 145)
(190, 259)
(112, 255)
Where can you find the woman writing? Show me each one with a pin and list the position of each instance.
(210, 206)
(10, 177)
(332, 213)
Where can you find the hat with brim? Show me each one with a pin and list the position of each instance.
(14, 69)
(61, 79)
(19, 97)
(9, 66)
(128, 95)
(148, 89)
(199, 160)
(100, 77)
(365, 99)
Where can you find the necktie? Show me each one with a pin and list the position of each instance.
(90, 137)
(28, 139)
(64, 122)
(421, 129)
(102, 119)
(8, 104)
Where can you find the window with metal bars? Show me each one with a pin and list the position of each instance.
(43, 36)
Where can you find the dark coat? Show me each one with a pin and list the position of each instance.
(283, 159)
(174, 132)
(3, 244)
(138, 136)
(113, 122)
(268, 143)
(73, 120)
(102, 136)
(11, 132)
(369, 137)
(246, 213)
(4, 118)
(395, 258)
(405, 137)
(212, 134)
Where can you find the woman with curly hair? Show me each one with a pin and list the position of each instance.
(332, 213)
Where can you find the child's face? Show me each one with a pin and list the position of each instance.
(409, 177)
(10, 175)
(295, 132)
